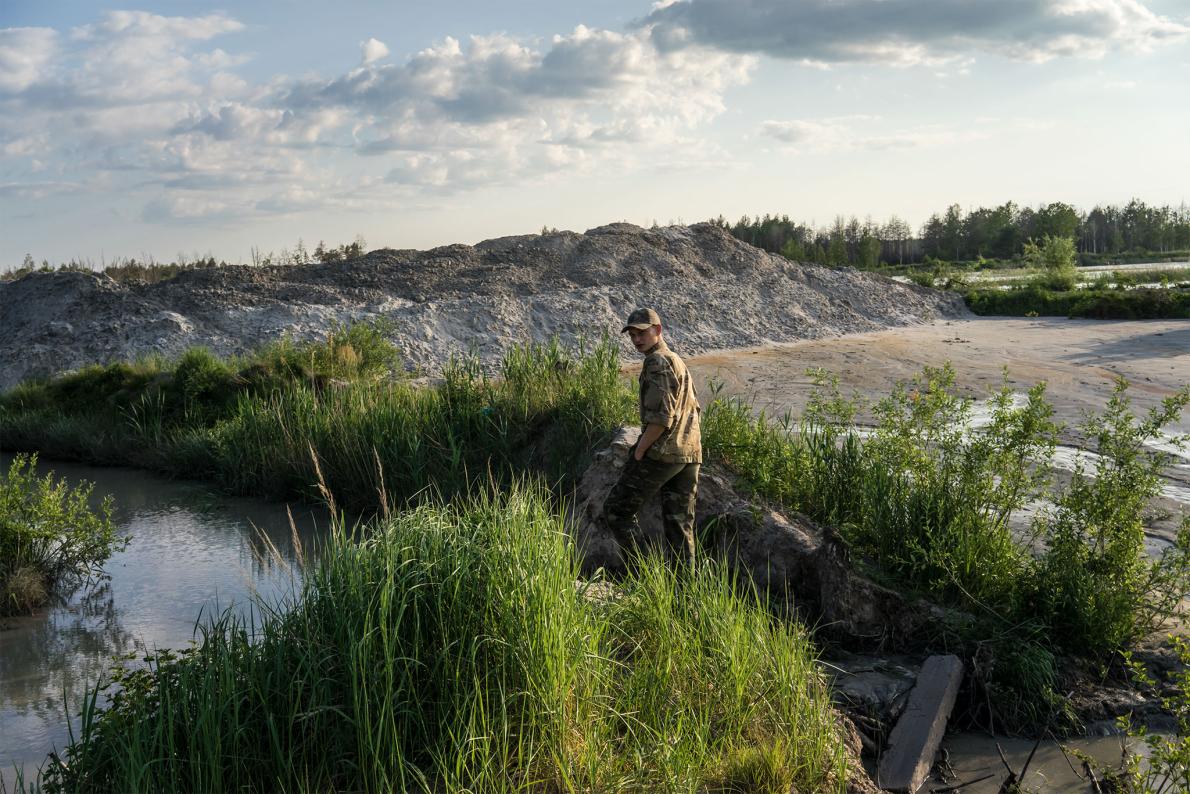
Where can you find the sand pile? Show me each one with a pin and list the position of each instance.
(713, 291)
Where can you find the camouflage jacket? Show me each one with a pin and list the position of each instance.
(668, 398)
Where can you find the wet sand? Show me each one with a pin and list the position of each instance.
(1079, 359)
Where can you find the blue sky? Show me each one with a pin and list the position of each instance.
(186, 127)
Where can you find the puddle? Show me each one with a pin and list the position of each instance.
(974, 755)
(192, 552)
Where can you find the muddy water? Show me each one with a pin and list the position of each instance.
(192, 552)
(972, 756)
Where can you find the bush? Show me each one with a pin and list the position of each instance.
(923, 499)
(360, 351)
(1096, 587)
(49, 537)
(253, 431)
(1095, 303)
(926, 503)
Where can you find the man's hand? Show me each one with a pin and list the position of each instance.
(647, 439)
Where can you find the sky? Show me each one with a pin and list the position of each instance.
(183, 128)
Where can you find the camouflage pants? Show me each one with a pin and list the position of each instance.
(640, 480)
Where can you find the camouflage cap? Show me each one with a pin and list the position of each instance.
(641, 319)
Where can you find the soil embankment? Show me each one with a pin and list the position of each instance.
(713, 291)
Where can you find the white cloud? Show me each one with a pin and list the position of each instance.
(37, 190)
(861, 132)
(26, 146)
(154, 103)
(25, 55)
(232, 121)
(494, 109)
(373, 50)
(189, 208)
(913, 32)
(148, 25)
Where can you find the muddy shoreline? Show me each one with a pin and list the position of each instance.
(1080, 361)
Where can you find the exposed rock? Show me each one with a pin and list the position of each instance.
(873, 688)
(795, 561)
(713, 291)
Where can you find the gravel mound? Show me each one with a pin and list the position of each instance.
(713, 291)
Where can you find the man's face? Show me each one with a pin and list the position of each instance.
(644, 338)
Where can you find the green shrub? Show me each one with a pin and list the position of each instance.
(359, 351)
(1054, 260)
(1056, 280)
(49, 536)
(1096, 586)
(1094, 303)
(924, 500)
(926, 505)
(202, 386)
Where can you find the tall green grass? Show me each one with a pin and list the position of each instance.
(252, 425)
(449, 649)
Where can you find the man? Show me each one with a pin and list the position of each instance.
(668, 455)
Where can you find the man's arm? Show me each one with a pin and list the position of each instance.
(658, 402)
(652, 432)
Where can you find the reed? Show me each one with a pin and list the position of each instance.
(449, 649)
(251, 425)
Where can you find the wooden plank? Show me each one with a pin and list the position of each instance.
(918, 734)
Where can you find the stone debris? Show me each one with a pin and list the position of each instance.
(713, 291)
(917, 736)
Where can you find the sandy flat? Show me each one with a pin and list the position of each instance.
(1079, 360)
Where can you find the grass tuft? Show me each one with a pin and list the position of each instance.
(448, 649)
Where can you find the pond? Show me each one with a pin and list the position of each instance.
(193, 552)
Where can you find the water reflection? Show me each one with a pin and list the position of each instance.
(193, 553)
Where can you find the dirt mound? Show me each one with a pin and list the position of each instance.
(794, 561)
(713, 291)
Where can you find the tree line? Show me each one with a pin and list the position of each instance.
(957, 235)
